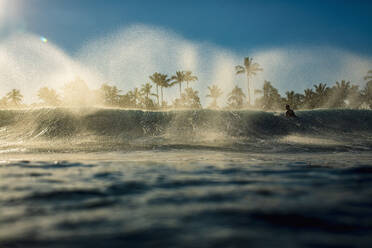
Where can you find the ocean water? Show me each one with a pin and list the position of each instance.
(126, 178)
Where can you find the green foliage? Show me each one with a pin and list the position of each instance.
(342, 94)
(189, 99)
(110, 95)
(14, 98)
(250, 69)
(188, 77)
(162, 81)
(236, 98)
(366, 93)
(179, 78)
(271, 99)
(214, 93)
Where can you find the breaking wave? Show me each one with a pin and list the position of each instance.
(115, 129)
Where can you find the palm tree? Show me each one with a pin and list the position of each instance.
(161, 80)
(214, 93)
(270, 99)
(236, 97)
(189, 99)
(48, 96)
(189, 77)
(290, 98)
(110, 94)
(146, 91)
(15, 97)
(339, 93)
(135, 97)
(321, 93)
(309, 98)
(368, 76)
(179, 78)
(250, 69)
(294, 99)
(367, 91)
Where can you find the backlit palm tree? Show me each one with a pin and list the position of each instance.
(321, 93)
(162, 81)
(309, 98)
(155, 78)
(110, 94)
(250, 69)
(236, 97)
(214, 93)
(146, 89)
(179, 78)
(15, 97)
(188, 77)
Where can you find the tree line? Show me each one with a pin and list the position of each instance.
(150, 95)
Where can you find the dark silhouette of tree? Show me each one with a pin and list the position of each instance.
(236, 98)
(179, 78)
(155, 78)
(290, 99)
(309, 99)
(136, 97)
(188, 77)
(293, 99)
(110, 95)
(214, 93)
(14, 97)
(354, 97)
(127, 101)
(189, 99)
(321, 94)
(250, 69)
(49, 96)
(270, 99)
(162, 81)
(339, 93)
(146, 91)
(366, 93)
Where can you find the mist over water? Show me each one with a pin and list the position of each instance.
(127, 57)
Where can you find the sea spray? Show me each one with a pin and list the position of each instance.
(119, 129)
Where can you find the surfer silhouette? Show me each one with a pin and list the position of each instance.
(289, 112)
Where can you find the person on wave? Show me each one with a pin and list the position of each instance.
(290, 113)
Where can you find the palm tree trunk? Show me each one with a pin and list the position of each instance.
(157, 94)
(161, 88)
(187, 84)
(248, 92)
(180, 90)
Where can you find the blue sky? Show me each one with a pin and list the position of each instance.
(235, 24)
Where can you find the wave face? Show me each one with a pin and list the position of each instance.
(114, 129)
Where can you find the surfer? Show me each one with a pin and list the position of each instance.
(289, 112)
